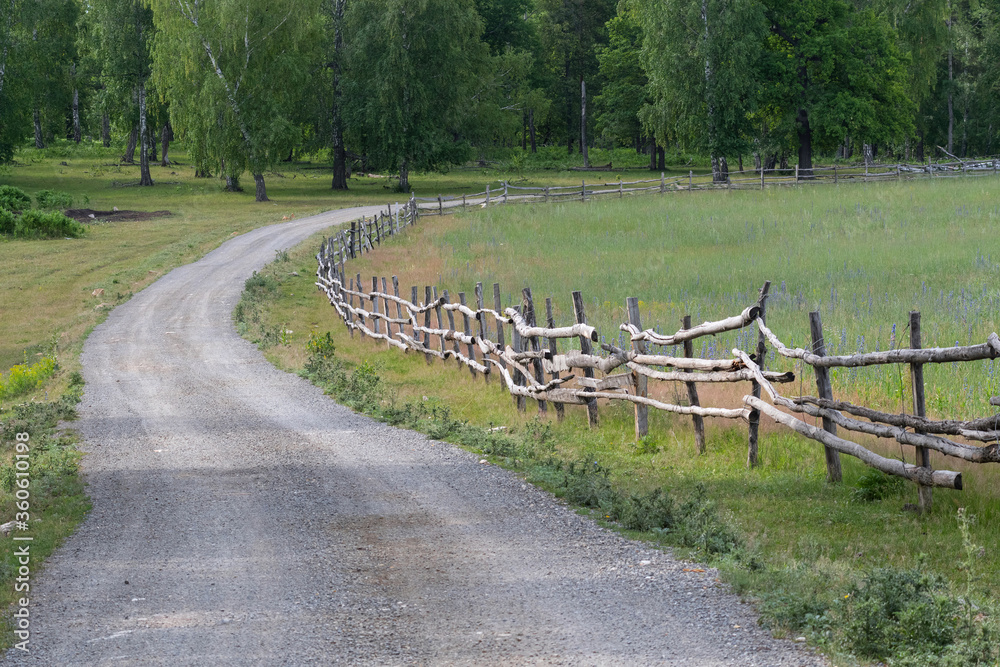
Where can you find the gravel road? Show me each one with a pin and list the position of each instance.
(242, 518)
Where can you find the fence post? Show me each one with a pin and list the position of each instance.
(796, 173)
(385, 302)
(923, 454)
(546, 194)
(467, 330)
(529, 318)
(754, 418)
(692, 389)
(762, 174)
(505, 192)
(487, 194)
(376, 325)
(350, 314)
(690, 180)
(463, 200)
(414, 298)
(554, 350)
(354, 225)
(427, 323)
(581, 318)
(663, 183)
(451, 327)
(437, 311)
(440, 206)
(481, 319)
(399, 308)
(899, 174)
(519, 401)
(620, 193)
(833, 473)
(500, 337)
(639, 380)
(835, 174)
(583, 191)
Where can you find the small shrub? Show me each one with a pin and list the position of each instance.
(51, 199)
(8, 222)
(23, 378)
(320, 345)
(13, 199)
(35, 224)
(876, 485)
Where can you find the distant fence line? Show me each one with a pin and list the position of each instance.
(532, 366)
(759, 180)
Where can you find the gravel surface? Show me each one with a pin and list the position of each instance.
(242, 518)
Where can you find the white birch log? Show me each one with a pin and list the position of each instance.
(559, 332)
(704, 329)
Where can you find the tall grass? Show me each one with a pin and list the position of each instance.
(864, 256)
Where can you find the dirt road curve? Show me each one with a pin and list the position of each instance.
(242, 518)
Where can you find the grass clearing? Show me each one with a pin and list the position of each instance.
(816, 545)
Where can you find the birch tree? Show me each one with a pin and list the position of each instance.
(234, 71)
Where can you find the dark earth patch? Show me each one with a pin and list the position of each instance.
(90, 215)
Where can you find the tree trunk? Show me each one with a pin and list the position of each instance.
(39, 143)
(868, 154)
(531, 130)
(661, 158)
(261, 190)
(770, 162)
(951, 83)
(77, 132)
(805, 144)
(106, 130)
(166, 134)
(144, 177)
(336, 119)
(783, 162)
(404, 176)
(233, 183)
(720, 169)
(652, 154)
(583, 122)
(133, 138)
(524, 131)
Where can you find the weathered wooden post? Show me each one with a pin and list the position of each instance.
(546, 194)
(553, 350)
(796, 173)
(399, 308)
(663, 183)
(414, 298)
(451, 327)
(583, 191)
(754, 417)
(690, 180)
(505, 192)
(440, 321)
(354, 225)
(481, 320)
(919, 409)
(467, 330)
(440, 206)
(519, 401)
(692, 389)
(487, 194)
(529, 318)
(350, 314)
(835, 175)
(427, 323)
(823, 386)
(585, 348)
(388, 325)
(620, 192)
(376, 325)
(639, 381)
(498, 308)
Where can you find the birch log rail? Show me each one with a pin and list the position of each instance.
(534, 368)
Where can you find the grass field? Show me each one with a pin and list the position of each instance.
(864, 255)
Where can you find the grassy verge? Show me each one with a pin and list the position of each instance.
(843, 565)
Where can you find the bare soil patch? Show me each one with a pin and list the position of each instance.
(90, 215)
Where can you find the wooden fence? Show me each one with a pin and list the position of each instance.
(751, 180)
(536, 365)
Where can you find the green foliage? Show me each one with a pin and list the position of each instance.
(25, 377)
(13, 199)
(250, 312)
(51, 199)
(876, 485)
(401, 115)
(8, 222)
(35, 224)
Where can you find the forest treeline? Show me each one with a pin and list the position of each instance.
(420, 84)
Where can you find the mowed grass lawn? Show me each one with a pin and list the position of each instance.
(865, 255)
(46, 286)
